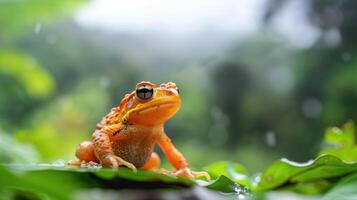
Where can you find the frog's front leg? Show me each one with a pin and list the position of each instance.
(103, 147)
(177, 160)
(153, 163)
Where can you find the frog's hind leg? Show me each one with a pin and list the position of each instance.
(153, 163)
(85, 154)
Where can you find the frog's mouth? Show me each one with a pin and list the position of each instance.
(156, 111)
(158, 107)
(160, 104)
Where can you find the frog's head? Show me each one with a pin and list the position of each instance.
(152, 105)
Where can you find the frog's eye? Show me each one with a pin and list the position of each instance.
(144, 92)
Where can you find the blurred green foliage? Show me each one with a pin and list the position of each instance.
(37, 82)
(252, 103)
(327, 175)
(341, 142)
(11, 151)
(30, 12)
(58, 79)
(56, 129)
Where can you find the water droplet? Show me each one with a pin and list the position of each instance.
(257, 178)
(242, 192)
(296, 164)
(37, 28)
(58, 163)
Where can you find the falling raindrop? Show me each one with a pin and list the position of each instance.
(37, 28)
(270, 138)
(281, 79)
(52, 39)
(332, 37)
(218, 133)
(104, 82)
(311, 107)
(346, 57)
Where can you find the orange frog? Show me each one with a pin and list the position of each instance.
(127, 135)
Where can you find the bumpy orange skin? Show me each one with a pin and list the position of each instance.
(128, 134)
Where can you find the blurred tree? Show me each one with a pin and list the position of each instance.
(25, 84)
(24, 81)
(262, 96)
(231, 82)
(30, 15)
(320, 70)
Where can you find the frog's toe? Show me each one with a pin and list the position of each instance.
(201, 174)
(187, 173)
(112, 162)
(117, 162)
(125, 163)
(163, 171)
(74, 163)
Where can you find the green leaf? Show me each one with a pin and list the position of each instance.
(231, 170)
(30, 12)
(343, 190)
(309, 188)
(46, 182)
(341, 142)
(60, 181)
(223, 184)
(12, 151)
(285, 171)
(36, 81)
(341, 138)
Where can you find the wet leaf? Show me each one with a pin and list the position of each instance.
(231, 170)
(50, 183)
(60, 181)
(343, 190)
(341, 142)
(309, 188)
(285, 172)
(36, 81)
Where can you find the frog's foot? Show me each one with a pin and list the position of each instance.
(187, 173)
(82, 163)
(115, 161)
(201, 174)
(74, 163)
(153, 163)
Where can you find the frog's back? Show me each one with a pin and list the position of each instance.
(116, 114)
